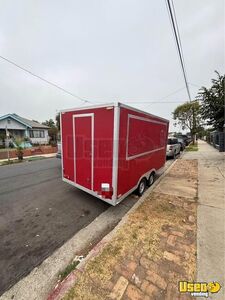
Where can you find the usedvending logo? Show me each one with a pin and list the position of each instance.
(199, 289)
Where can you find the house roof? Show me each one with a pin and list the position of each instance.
(24, 121)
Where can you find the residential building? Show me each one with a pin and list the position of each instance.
(19, 127)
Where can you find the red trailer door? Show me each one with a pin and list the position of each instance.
(83, 130)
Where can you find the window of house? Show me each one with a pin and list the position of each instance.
(37, 134)
(8, 121)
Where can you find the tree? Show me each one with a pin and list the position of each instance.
(19, 149)
(188, 116)
(204, 133)
(212, 102)
(57, 118)
(52, 132)
(49, 123)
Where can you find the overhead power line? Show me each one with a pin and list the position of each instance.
(173, 93)
(194, 84)
(45, 80)
(172, 15)
(178, 33)
(154, 101)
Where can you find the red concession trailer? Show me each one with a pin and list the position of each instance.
(111, 150)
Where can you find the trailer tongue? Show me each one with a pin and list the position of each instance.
(111, 150)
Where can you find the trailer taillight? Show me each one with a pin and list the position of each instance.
(106, 190)
(105, 187)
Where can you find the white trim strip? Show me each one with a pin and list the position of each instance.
(115, 150)
(142, 112)
(92, 152)
(61, 144)
(92, 145)
(146, 119)
(74, 151)
(88, 107)
(144, 153)
(93, 193)
(130, 116)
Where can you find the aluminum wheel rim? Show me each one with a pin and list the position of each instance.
(151, 179)
(142, 187)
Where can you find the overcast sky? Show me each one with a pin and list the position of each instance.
(105, 51)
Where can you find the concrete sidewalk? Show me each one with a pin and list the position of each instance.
(210, 215)
(49, 155)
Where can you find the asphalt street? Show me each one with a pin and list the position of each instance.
(38, 214)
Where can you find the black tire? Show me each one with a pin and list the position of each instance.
(151, 179)
(141, 187)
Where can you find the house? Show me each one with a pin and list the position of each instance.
(19, 127)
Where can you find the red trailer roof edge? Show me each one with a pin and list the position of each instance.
(114, 104)
(142, 111)
(89, 107)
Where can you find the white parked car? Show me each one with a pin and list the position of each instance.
(173, 147)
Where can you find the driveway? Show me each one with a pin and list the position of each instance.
(38, 214)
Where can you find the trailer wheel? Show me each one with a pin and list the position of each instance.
(151, 179)
(141, 187)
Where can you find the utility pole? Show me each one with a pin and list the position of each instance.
(7, 138)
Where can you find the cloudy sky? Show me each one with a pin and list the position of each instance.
(106, 51)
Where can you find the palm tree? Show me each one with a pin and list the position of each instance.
(19, 149)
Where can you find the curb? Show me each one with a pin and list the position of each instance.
(26, 158)
(63, 287)
(53, 154)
